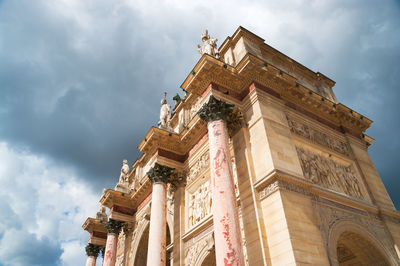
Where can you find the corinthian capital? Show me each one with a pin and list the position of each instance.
(114, 226)
(215, 110)
(160, 173)
(92, 250)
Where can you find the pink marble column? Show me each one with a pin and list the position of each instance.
(228, 246)
(92, 251)
(91, 261)
(113, 228)
(156, 253)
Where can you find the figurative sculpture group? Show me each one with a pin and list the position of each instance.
(199, 204)
(329, 173)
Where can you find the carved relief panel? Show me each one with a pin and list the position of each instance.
(199, 197)
(199, 204)
(199, 167)
(330, 173)
(318, 137)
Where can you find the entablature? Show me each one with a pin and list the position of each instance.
(93, 224)
(251, 70)
(97, 231)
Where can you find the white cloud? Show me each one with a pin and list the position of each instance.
(46, 206)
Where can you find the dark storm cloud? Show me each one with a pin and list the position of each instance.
(84, 100)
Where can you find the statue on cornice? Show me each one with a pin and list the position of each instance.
(123, 178)
(209, 45)
(123, 184)
(165, 114)
(101, 214)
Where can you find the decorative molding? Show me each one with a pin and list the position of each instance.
(318, 137)
(192, 252)
(328, 217)
(215, 109)
(160, 173)
(329, 173)
(280, 184)
(243, 235)
(113, 226)
(391, 219)
(93, 250)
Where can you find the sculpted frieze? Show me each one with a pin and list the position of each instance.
(329, 173)
(202, 164)
(318, 137)
(199, 204)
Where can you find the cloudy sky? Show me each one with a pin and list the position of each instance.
(81, 83)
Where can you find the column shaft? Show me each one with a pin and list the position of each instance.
(227, 234)
(110, 254)
(91, 261)
(156, 254)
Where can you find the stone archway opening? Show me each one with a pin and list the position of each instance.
(210, 260)
(353, 249)
(141, 252)
(168, 241)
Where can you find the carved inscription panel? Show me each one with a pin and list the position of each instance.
(329, 173)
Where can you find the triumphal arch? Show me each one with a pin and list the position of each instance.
(257, 164)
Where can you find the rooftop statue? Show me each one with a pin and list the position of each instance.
(165, 114)
(209, 45)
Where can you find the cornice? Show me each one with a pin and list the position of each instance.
(94, 225)
(112, 197)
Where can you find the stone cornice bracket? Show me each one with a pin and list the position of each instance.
(93, 250)
(114, 226)
(160, 173)
(215, 109)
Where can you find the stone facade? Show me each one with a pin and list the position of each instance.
(259, 164)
